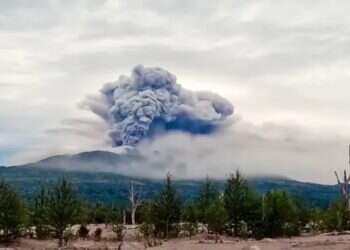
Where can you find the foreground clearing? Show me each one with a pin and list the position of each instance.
(320, 242)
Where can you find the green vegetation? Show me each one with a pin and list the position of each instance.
(241, 204)
(63, 208)
(12, 216)
(190, 214)
(56, 209)
(39, 216)
(112, 189)
(208, 193)
(216, 216)
(280, 216)
(238, 211)
(166, 210)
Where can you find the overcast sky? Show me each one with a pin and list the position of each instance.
(283, 64)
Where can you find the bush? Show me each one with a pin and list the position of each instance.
(83, 232)
(98, 234)
(147, 230)
(338, 217)
(118, 229)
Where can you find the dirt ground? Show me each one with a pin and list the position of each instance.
(320, 242)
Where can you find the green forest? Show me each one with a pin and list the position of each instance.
(239, 210)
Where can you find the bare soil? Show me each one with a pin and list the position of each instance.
(319, 242)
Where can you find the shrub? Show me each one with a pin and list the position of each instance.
(118, 229)
(98, 234)
(83, 232)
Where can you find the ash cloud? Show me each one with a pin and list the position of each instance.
(151, 102)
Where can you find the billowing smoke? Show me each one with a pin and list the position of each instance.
(150, 102)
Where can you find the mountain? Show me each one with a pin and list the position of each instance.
(110, 187)
(103, 161)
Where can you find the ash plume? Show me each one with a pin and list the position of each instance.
(150, 102)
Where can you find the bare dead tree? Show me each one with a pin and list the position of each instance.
(344, 185)
(135, 202)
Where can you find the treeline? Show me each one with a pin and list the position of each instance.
(239, 211)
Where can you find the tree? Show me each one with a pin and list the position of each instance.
(39, 214)
(241, 204)
(116, 219)
(216, 217)
(344, 188)
(135, 202)
(148, 218)
(303, 212)
(97, 213)
(190, 218)
(11, 213)
(63, 208)
(166, 208)
(208, 193)
(280, 215)
(338, 216)
(317, 221)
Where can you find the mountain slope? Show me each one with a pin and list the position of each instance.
(86, 161)
(103, 184)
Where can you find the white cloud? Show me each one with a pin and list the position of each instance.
(280, 62)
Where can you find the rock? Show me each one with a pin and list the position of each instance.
(253, 247)
(295, 244)
(267, 240)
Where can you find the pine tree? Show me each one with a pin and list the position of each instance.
(216, 217)
(241, 203)
(63, 208)
(207, 194)
(167, 208)
(39, 214)
(280, 215)
(190, 218)
(11, 213)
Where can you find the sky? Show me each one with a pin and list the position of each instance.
(283, 65)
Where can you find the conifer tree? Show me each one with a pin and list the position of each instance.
(241, 203)
(207, 194)
(63, 208)
(167, 208)
(11, 213)
(216, 217)
(190, 218)
(281, 218)
(40, 214)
